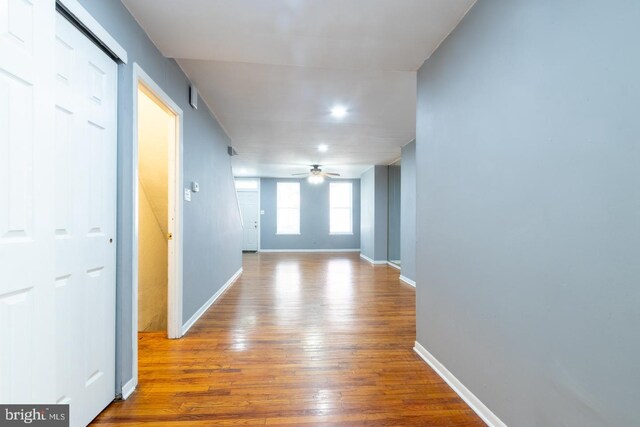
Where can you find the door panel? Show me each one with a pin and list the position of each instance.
(27, 363)
(85, 164)
(57, 212)
(249, 207)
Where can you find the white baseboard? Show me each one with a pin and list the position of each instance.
(408, 281)
(370, 261)
(211, 300)
(128, 388)
(474, 403)
(309, 250)
(390, 264)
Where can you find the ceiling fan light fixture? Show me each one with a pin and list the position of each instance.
(315, 179)
(339, 111)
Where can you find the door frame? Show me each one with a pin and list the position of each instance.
(175, 227)
(257, 190)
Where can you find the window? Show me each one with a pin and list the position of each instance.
(246, 184)
(341, 208)
(288, 206)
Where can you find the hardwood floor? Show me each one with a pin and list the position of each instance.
(299, 339)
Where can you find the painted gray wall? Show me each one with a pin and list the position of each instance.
(374, 216)
(528, 154)
(408, 211)
(212, 229)
(367, 217)
(395, 211)
(381, 203)
(314, 217)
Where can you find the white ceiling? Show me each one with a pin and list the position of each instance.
(271, 70)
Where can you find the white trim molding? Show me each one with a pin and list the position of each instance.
(465, 394)
(408, 281)
(390, 264)
(189, 323)
(308, 250)
(372, 262)
(89, 23)
(175, 226)
(128, 388)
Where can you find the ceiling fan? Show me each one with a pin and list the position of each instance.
(316, 175)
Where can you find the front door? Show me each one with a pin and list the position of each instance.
(249, 208)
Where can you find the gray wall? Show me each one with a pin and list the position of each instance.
(394, 212)
(528, 154)
(408, 211)
(367, 217)
(212, 229)
(374, 195)
(314, 217)
(381, 203)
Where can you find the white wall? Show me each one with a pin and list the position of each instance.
(152, 269)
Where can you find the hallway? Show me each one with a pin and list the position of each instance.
(299, 339)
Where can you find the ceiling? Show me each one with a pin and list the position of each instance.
(271, 70)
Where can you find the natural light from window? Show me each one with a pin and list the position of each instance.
(288, 208)
(246, 184)
(341, 207)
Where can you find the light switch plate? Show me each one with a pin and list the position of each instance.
(195, 187)
(187, 194)
(262, 212)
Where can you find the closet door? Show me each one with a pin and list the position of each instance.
(27, 285)
(85, 217)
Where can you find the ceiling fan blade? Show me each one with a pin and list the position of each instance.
(332, 174)
(298, 174)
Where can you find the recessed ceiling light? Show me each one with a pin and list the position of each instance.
(339, 111)
(323, 148)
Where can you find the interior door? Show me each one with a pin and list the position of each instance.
(27, 361)
(57, 212)
(249, 208)
(85, 208)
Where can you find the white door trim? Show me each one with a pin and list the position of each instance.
(97, 31)
(174, 297)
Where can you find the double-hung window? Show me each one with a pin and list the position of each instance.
(288, 208)
(341, 208)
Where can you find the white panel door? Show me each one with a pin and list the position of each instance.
(57, 212)
(85, 208)
(249, 208)
(27, 359)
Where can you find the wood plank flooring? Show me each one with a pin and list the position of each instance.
(299, 339)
